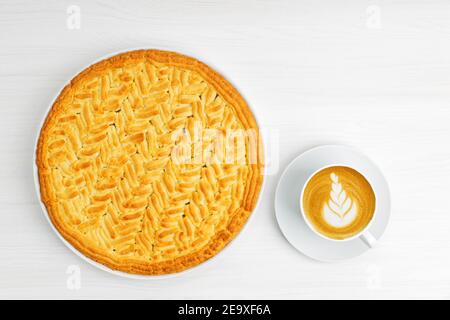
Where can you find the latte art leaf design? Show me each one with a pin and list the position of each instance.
(340, 210)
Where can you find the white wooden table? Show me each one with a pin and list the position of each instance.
(372, 74)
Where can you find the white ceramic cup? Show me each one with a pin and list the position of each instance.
(364, 234)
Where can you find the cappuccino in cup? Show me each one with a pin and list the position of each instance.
(338, 203)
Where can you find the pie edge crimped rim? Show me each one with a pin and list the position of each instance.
(218, 241)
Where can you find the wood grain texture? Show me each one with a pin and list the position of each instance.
(314, 72)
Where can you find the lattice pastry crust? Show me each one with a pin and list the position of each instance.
(108, 177)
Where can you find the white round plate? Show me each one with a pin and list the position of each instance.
(101, 266)
(287, 202)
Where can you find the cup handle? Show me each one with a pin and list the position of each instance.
(368, 239)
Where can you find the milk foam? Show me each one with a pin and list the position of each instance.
(340, 210)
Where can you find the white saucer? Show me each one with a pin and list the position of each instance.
(287, 202)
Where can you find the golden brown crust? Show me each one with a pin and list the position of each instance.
(138, 226)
